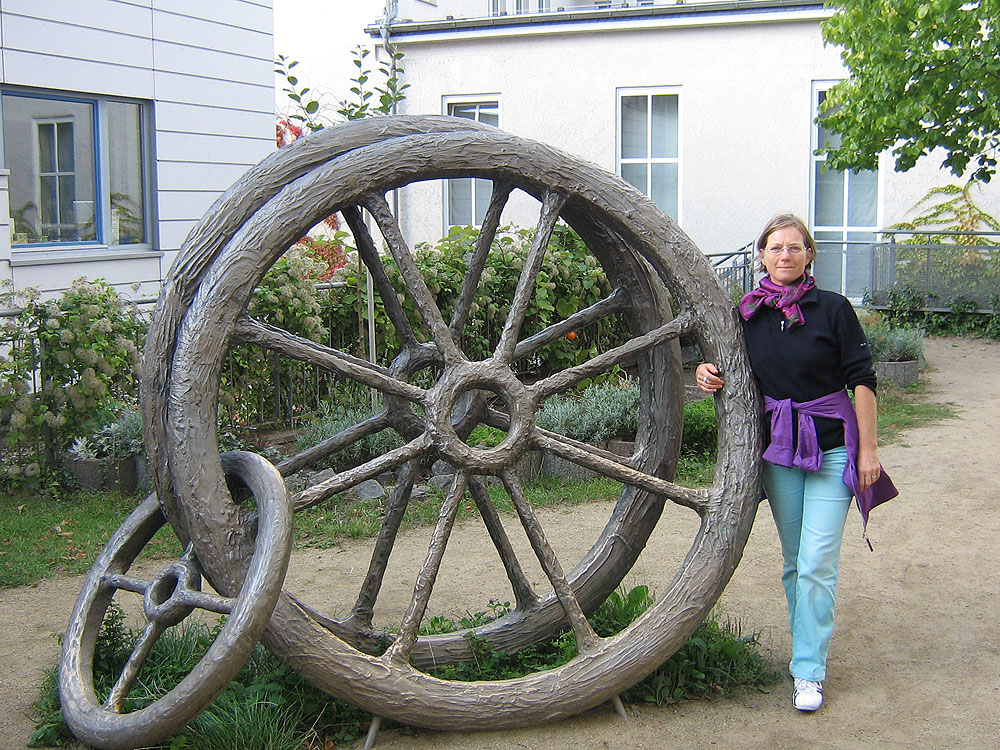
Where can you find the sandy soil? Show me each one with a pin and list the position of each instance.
(915, 659)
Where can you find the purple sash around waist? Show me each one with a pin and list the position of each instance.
(798, 446)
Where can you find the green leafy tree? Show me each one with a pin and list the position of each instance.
(924, 74)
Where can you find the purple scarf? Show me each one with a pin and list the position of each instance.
(784, 298)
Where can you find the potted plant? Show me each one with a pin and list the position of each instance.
(897, 353)
(112, 458)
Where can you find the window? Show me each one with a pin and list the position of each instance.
(648, 145)
(845, 218)
(467, 199)
(77, 170)
(503, 7)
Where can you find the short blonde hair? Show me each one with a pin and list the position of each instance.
(780, 222)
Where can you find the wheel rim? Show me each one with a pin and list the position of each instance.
(598, 211)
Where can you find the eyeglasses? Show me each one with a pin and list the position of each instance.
(779, 249)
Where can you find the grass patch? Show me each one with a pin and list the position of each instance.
(41, 536)
(268, 706)
(902, 409)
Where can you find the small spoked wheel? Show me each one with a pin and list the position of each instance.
(652, 267)
(169, 598)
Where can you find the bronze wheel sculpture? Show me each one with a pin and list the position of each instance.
(651, 264)
(167, 600)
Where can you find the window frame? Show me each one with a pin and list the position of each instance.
(649, 92)
(99, 124)
(844, 229)
(57, 172)
(448, 104)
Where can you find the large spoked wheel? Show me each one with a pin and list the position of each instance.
(168, 599)
(202, 312)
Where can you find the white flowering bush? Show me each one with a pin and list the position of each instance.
(66, 363)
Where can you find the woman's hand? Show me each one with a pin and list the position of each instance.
(709, 378)
(869, 468)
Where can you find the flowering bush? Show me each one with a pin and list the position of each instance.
(570, 279)
(67, 361)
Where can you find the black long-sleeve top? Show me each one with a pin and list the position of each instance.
(827, 353)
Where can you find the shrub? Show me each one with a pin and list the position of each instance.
(701, 433)
(895, 344)
(119, 438)
(602, 411)
(611, 409)
(910, 308)
(334, 420)
(70, 361)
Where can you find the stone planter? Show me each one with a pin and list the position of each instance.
(122, 474)
(900, 374)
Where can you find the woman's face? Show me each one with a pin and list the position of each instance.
(785, 255)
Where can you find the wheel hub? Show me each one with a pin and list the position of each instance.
(469, 377)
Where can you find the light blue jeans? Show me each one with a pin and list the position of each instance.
(810, 510)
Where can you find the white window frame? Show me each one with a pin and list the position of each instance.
(448, 104)
(845, 229)
(57, 173)
(102, 159)
(648, 160)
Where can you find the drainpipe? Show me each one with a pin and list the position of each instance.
(391, 11)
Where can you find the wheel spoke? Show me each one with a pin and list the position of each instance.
(604, 362)
(368, 470)
(613, 303)
(334, 443)
(369, 254)
(613, 467)
(120, 691)
(365, 605)
(222, 605)
(422, 297)
(586, 638)
(254, 332)
(551, 205)
(524, 594)
(126, 583)
(400, 649)
(487, 232)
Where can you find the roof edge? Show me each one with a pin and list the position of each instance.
(591, 15)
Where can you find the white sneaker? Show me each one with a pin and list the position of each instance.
(807, 695)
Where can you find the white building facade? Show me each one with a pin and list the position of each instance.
(708, 107)
(122, 122)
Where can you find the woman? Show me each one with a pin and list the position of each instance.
(806, 347)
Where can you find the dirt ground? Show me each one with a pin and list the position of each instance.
(915, 659)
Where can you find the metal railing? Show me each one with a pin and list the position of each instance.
(928, 265)
(735, 269)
